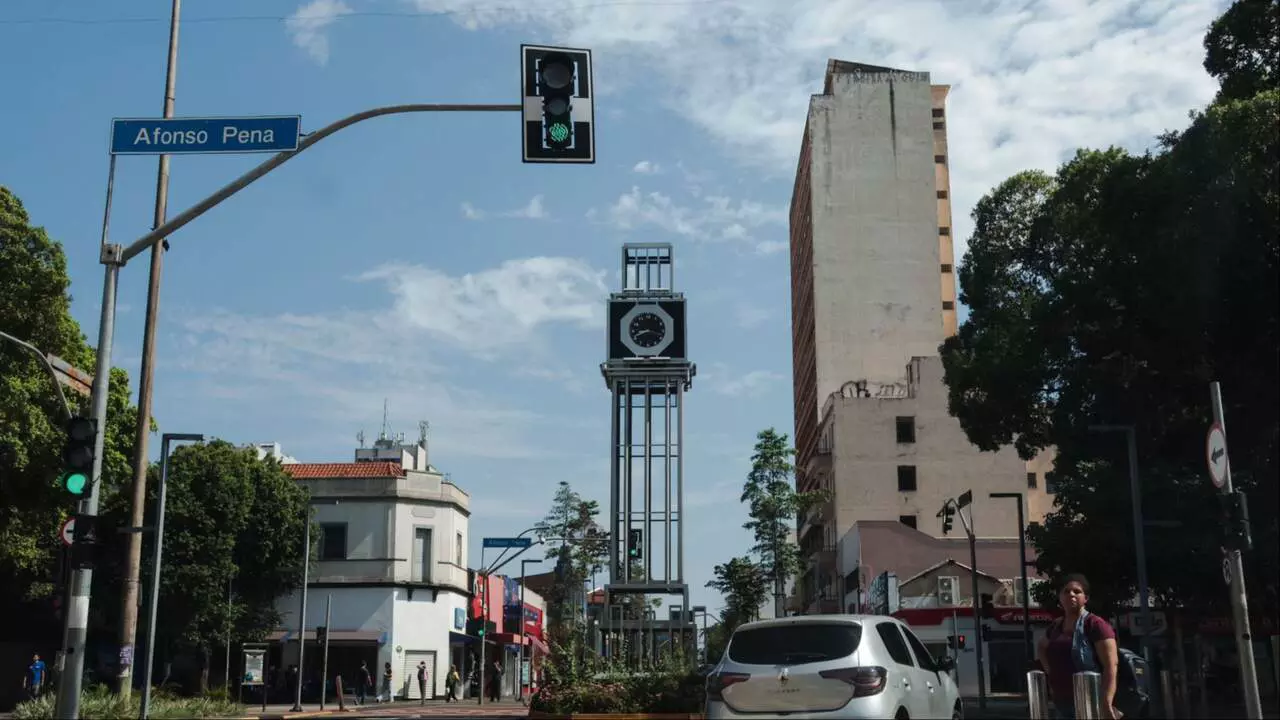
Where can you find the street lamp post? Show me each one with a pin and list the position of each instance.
(1022, 562)
(154, 603)
(1139, 540)
(302, 608)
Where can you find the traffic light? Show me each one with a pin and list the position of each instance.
(77, 456)
(633, 544)
(956, 642)
(987, 603)
(84, 546)
(558, 105)
(322, 635)
(1239, 535)
(948, 518)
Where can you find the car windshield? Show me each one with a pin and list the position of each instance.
(795, 644)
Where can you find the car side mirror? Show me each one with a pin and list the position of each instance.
(945, 663)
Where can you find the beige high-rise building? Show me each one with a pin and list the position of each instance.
(873, 298)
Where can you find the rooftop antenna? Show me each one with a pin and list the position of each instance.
(360, 438)
(424, 428)
(383, 435)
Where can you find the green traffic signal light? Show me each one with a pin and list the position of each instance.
(75, 482)
(558, 132)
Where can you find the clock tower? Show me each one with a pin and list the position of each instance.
(647, 373)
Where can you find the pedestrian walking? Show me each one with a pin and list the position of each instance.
(422, 682)
(1079, 641)
(495, 682)
(34, 679)
(364, 683)
(451, 682)
(386, 683)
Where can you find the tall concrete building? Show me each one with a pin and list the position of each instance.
(873, 298)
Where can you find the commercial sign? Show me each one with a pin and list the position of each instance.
(459, 619)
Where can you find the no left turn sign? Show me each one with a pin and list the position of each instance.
(1216, 455)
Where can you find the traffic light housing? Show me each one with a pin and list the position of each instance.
(322, 635)
(987, 604)
(957, 642)
(84, 544)
(634, 538)
(558, 105)
(948, 518)
(1239, 535)
(77, 456)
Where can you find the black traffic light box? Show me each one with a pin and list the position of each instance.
(84, 545)
(948, 518)
(77, 456)
(559, 115)
(634, 539)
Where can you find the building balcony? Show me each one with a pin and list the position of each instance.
(388, 571)
(823, 557)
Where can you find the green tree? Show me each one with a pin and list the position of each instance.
(579, 548)
(229, 517)
(35, 307)
(1114, 292)
(745, 586)
(1243, 47)
(773, 504)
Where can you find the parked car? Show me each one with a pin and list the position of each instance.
(831, 666)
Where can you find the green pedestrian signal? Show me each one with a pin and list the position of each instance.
(77, 456)
(558, 132)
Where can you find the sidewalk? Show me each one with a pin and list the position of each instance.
(402, 708)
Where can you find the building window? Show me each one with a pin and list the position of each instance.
(939, 125)
(944, 230)
(421, 570)
(948, 305)
(939, 159)
(333, 541)
(1051, 483)
(938, 112)
(906, 478)
(906, 430)
(1031, 481)
(908, 520)
(942, 194)
(946, 267)
(457, 551)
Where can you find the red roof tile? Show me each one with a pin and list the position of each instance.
(314, 471)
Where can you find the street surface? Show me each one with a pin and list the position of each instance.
(434, 709)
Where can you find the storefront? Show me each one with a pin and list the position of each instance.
(1004, 647)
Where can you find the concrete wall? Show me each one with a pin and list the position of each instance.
(875, 227)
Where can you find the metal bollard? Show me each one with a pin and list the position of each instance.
(1038, 695)
(1087, 687)
(1166, 693)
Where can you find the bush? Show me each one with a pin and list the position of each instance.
(98, 703)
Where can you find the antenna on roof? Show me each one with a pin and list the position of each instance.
(383, 435)
(360, 438)
(424, 428)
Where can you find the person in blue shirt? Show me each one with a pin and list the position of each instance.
(35, 678)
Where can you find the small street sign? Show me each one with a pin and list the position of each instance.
(174, 136)
(518, 543)
(1216, 455)
(68, 532)
(1226, 567)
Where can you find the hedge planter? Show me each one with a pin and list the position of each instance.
(616, 716)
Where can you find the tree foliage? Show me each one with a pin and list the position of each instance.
(1242, 49)
(745, 586)
(35, 307)
(1113, 292)
(772, 505)
(579, 548)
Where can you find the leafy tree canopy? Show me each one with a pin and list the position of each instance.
(579, 549)
(1113, 292)
(1242, 49)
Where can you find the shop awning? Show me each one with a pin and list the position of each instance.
(539, 647)
(514, 639)
(334, 636)
(457, 637)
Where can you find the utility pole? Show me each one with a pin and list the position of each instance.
(966, 500)
(133, 561)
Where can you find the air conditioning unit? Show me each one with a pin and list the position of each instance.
(948, 591)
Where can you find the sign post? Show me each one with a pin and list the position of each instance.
(1233, 570)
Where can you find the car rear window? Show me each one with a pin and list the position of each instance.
(795, 644)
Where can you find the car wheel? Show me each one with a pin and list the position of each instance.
(957, 714)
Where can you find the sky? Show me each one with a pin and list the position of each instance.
(416, 259)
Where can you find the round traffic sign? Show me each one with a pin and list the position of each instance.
(68, 531)
(1226, 570)
(1215, 454)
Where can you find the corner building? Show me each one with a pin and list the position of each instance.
(873, 298)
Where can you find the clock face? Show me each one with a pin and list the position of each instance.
(647, 329)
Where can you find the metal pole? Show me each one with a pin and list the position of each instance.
(977, 612)
(1038, 695)
(520, 669)
(647, 537)
(156, 559)
(1027, 649)
(1166, 693)
(1239, 596)
(484, 626)
(666, 469)
(628, 435)
(302, 607)
(679, 480)
(1086, 687)
(142, 431)
(1139, 543)
(44, 360)
(226, 677)
(615, 457)
(181, 219)
(324, 664)
(77, 613)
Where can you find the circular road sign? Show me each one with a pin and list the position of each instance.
(1215, 454)
(68, 532)
(1226, 570)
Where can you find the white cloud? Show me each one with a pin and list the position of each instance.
(309, 24)
(712, 218)
(470, 212)
(533, 211)
(750, 316)
(725, 381)
(1048, 76)
(770, 247)
(647, 167)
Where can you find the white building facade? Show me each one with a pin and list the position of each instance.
(390, 540)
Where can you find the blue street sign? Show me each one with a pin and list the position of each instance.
(519, 543)
(157, 136)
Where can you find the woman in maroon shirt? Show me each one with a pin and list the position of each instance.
(1078, 642)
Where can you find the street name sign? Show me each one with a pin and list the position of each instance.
(177, 136)
(519, 543)
(1215, 452)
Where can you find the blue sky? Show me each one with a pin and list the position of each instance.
(416, 258)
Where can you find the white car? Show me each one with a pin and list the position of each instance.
(831, 666)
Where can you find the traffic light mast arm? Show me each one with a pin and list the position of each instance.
(240, 183)
(44, 360)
